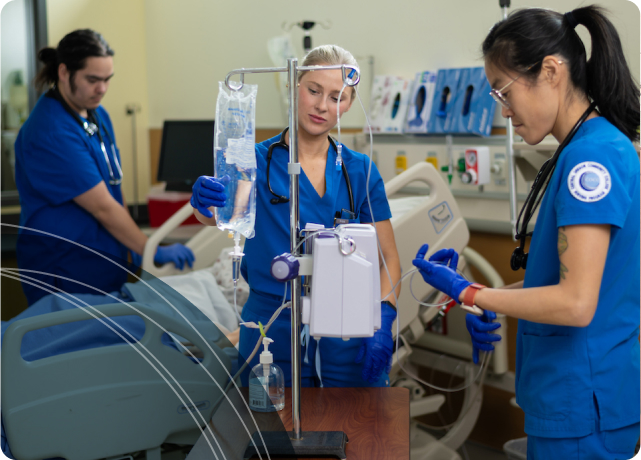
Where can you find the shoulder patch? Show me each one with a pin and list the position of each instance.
(589, 181)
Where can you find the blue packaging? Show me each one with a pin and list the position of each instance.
(420, 103)
(474, 108)
(447, 87)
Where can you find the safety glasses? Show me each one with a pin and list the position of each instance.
(497, 94)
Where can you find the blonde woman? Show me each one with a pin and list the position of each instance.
(325, 193)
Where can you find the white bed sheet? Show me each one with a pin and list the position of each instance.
(400, 206)
(211, 290)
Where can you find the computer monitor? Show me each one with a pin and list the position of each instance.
(186, 153)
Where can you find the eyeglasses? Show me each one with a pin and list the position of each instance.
(497, 94)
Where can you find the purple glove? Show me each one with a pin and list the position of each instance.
(479, 326)
(208, 191)
(440, 271)
(176, 253)
(378, 349)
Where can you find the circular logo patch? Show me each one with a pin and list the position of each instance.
(589, 182)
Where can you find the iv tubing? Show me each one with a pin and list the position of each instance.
(283, 305)
(371, 144)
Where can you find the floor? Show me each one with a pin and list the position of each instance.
(473, 451)
(469, 451)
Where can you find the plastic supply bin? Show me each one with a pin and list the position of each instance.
(162, 205)
(516, 449)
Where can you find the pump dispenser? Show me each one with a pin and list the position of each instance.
(266, 383)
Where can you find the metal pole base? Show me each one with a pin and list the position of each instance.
(311, 444)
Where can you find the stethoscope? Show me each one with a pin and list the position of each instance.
(519, 256)
(91, 127)
(282, 199)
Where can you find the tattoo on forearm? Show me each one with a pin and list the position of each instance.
(562, 246)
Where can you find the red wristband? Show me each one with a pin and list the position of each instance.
(470, 294)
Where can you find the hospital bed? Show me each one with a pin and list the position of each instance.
(111, 400)
(430, 217)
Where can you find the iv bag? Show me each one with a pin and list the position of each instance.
(235, 157)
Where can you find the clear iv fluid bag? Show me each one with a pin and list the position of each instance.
(235, 157)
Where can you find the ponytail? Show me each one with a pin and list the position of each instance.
(520, 42)
(610, 83)
(48, 74)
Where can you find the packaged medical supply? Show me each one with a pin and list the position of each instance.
(235, 157)
(396, 110)
(380, 101)
(474, 108)
(420, 102)
(447, 87)
(266, 383)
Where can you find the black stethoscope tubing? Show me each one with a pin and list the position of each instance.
(519, 256)
(93, 127)
(282, 199)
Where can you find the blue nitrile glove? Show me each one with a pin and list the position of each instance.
(378, 349)
(479, 326)
(176, 253)
(208, 191)
(442, 276)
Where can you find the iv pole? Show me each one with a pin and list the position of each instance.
(509, 146)
(310, 443)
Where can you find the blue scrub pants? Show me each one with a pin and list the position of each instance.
(337, 356)
(600, 445)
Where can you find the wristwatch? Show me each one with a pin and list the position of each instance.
(468, 299)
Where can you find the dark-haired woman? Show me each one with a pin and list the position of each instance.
(68, 176)
(577, 365)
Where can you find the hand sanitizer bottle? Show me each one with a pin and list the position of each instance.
(266, 383)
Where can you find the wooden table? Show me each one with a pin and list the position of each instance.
(376, 421)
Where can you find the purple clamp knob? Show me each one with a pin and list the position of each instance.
(285, 267)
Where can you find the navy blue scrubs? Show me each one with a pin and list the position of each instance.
(272, 238)
(56, 160)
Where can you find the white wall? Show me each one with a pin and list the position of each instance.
(193, 45)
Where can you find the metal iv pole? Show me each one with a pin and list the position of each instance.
(309, 443)
(509, 146)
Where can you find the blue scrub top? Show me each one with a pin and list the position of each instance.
(56, 160)
(272, 221)
(572, 380)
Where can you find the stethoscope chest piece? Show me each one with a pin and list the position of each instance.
(518, 259)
